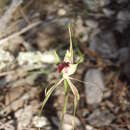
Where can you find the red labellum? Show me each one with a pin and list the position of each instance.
(62, 66)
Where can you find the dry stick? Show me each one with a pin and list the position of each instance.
(6, 18)
(20, 32)
(47, 22)
(24, 15)
(5, 73)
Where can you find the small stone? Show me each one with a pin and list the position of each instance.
(104, 44)
(96, 5)
(61, 12)
(91, 23)
(13, 95)
(68, 119)
(5, 59)
(101, 118)
(40, 121)
(105, 2)
(123, 15)
(122, 1)
(67, 127)
(81, 31)
(121, 25)
(88, 127)
(108, 12)
(107, 94)
(123, 55)
(94, 87)
(93, 5)
(36, 58)
(24, 117)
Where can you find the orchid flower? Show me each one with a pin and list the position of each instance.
(67, 68)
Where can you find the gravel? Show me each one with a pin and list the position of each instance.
(101, 118)
(94, 87)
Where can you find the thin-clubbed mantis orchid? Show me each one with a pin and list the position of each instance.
(67, 68)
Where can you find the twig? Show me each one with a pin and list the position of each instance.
(24, 15)
(5, 19)
(6, 73)
(20, 32)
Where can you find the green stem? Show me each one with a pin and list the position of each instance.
(66, 87)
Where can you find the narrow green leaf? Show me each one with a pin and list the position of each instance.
(49, 92)
(81, 57)
(58, 60)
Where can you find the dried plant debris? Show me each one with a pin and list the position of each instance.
(101, 118)
(36, 58)
(5, 59)
(31, 59)
(6, 18)
(102, 32)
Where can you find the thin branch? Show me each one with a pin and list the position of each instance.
(20, 32)
(6, 18)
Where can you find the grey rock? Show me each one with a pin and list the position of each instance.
(107, 94)
(108, 12)
(40, 121)
(68, 119)
(95, 5)
(67, 127)
(104, 44)
(124, 15)
(24, 117)
(88, 127)
(91, 23)
(123, 55)
(121, 25)
(105, 2)
(94, 86)
(92, 4)
(122, 1)
(101, 118)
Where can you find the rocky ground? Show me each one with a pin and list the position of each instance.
(32, 30)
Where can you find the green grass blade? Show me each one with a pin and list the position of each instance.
(49, 92)
(80, 54)
(81, 57)
(58, 60)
